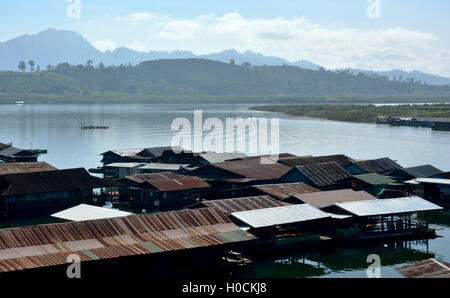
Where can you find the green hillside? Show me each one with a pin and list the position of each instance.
(199, 79)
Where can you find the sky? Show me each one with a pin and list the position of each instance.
(366, 34)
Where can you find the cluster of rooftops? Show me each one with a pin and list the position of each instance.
(236, 192)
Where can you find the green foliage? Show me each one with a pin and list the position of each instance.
(359, 113)
(193, 79)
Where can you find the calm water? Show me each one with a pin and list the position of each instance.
(55, 127)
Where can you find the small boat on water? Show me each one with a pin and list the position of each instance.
(83, 125)
(20, 103)
(94, 127)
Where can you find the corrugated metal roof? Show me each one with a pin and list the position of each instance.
(280, 215)
(429, 181)
(213, 157)
(163, 166)
(51, 181)
(252, 168)
(85, 212)
(244, 204)
(324, 174)
(168, 181)
(341, 159)
(25, 167)
(430, 268)
(13, 151)
(388, 206)
(125, 165)
(284, 191)
(326, 198)
(49, 245)
(425, 171)
(125, 152)
(380, 166)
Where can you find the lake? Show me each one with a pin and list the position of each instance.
(57, 128)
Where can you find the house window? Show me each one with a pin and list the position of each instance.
(165, 195)
(156, 203)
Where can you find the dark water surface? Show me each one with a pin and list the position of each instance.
(56, 128)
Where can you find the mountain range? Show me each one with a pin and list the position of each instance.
(52, 46)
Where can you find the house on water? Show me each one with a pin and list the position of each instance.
(406, 174)
(8, 153)
(239, 173)
(325, 176)
(380, 166)
(229, 206)
(374, 183)
(293, 161)
(174, 244)
(165, 190)
(436, 190)
(382, 219)
(25, 167)
(23, 194)
(277, 227)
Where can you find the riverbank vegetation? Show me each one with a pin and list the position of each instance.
(358, 113)
(200, 80)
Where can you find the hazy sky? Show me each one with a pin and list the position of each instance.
(411, 34)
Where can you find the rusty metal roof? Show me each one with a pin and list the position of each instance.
(324, 174)
(430, 268)
(25, 167)
(380, 166)
(341, 159)
(252, 168)
(284, 191)
(50, 181)
(168, 181)
(49, 245)
(326, 198)
(244, 204)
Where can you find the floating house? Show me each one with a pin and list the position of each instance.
(162, 167)
(382, 219)
(406, 174)
(8, 153)
(430, 268)
(25, 167)
(435, 190)
(325, 176)
(239, 173)
(442, 124)
(380, 166)
(283, 226)
(374, 183)
(285, 191)
(294, 161)
(326, 199)
(120, 170)
(214, 157)
(162, 190)
(229, 206)
(141, 155)
(84, 212)
(280, 191)
(152, 245)
(40, 192)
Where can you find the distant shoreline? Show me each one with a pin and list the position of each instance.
(358, 113)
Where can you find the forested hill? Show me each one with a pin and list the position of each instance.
(188, 78)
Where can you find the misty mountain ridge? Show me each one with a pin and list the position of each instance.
(52, 46)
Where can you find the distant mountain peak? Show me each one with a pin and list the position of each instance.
(53, 46)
